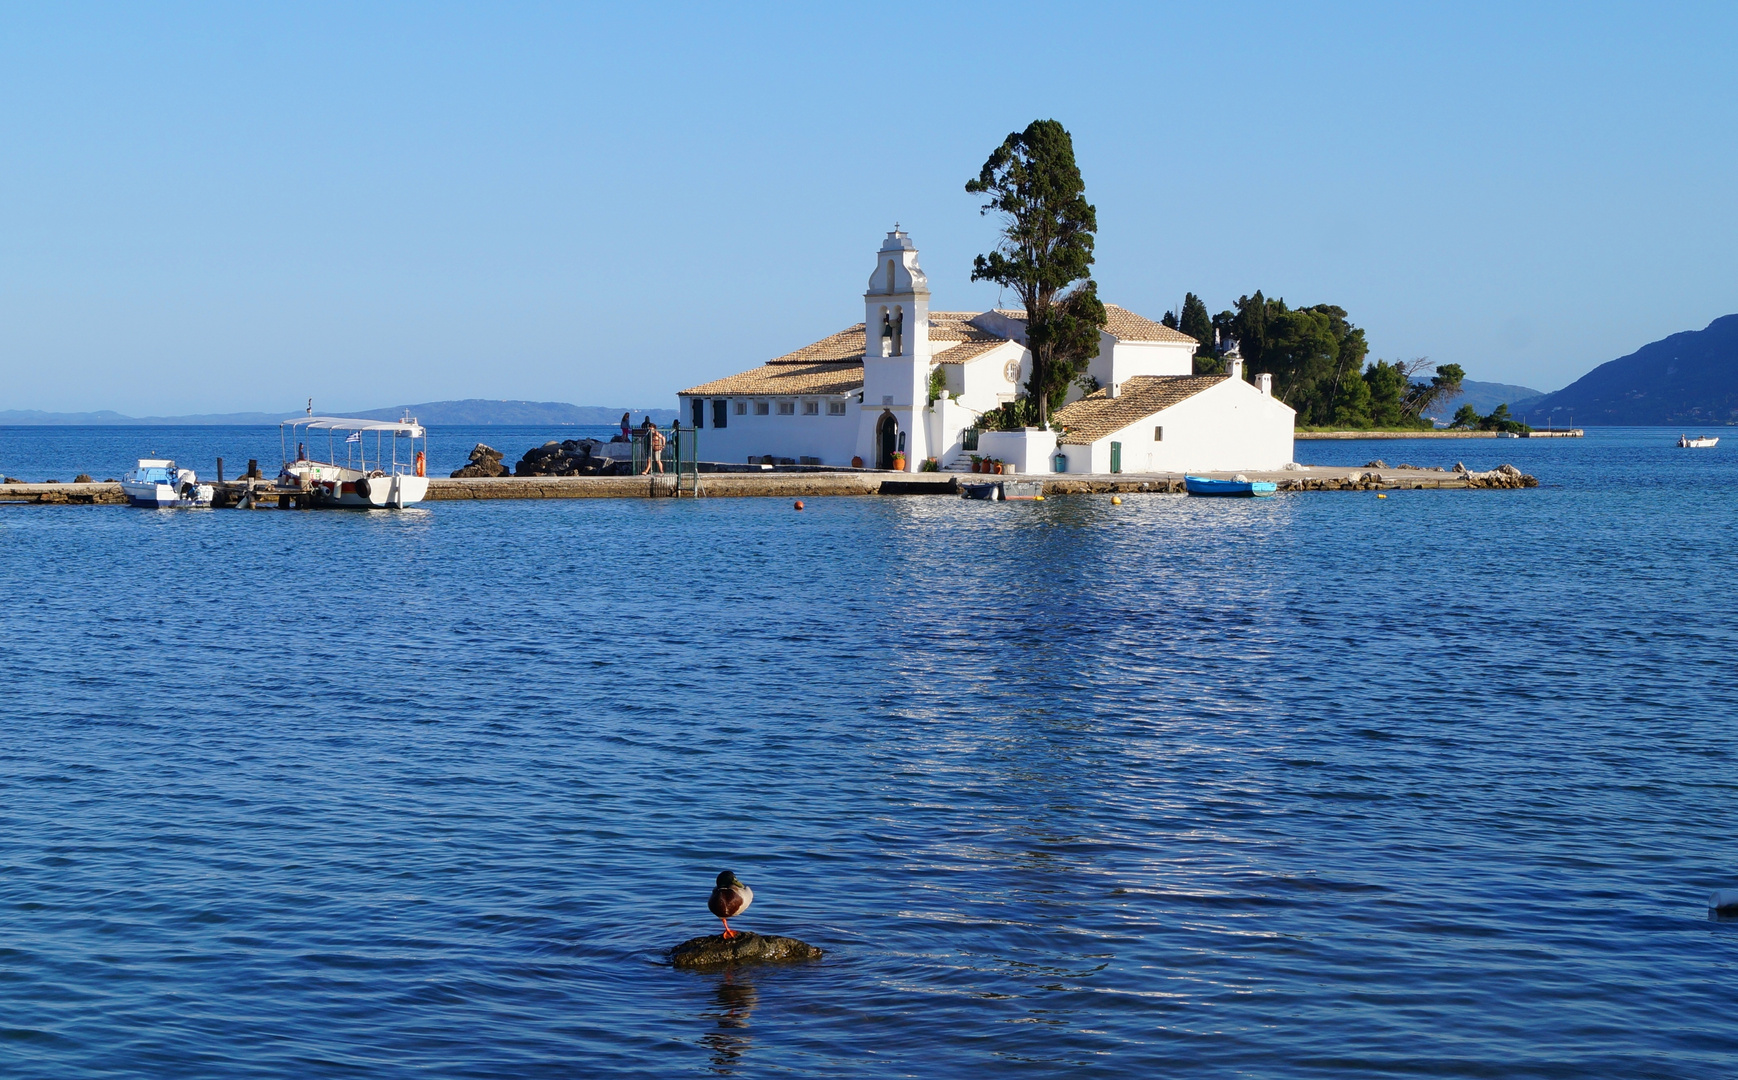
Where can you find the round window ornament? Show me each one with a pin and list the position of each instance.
(1012, 370)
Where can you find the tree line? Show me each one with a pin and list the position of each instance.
(1317, 358)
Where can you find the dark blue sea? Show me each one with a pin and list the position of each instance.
(1321, 785)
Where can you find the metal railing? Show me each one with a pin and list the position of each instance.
(679, 461)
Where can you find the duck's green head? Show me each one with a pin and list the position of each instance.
(728, 880)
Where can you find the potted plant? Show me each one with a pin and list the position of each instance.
(929, 465)
(977, 463)
(997, 466)
(899, 461)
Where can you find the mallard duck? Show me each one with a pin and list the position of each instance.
(729, 897)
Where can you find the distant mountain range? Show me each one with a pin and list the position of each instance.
(1689, 378)
(1485, 396)
(472, 412)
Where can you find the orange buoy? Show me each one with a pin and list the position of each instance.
(799, 504)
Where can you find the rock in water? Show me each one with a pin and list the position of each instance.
(718, 950)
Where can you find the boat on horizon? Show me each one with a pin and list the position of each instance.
(1698, 441)
(359, 482)
(1239, 485)
(158, 484)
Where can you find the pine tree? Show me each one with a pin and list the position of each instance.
(1045, 255)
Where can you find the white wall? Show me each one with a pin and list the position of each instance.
(1230, 427)
(830, 438)
(1025, 451)
(1118, 361)
(984, 381)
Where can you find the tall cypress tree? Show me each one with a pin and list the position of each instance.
(1045, 255)
(1195, 321)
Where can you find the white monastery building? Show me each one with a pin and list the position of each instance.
(863, 395)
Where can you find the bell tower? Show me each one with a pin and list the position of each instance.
(896, 356)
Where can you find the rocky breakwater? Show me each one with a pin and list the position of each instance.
(485, 461)
(1503, 476)
(575, 457)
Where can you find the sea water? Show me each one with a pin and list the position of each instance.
(1314, 786)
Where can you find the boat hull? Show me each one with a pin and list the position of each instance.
(348, 489)
(1201, 485)
(167, 496)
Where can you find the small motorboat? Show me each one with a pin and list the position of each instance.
(1201, 485)
(158, 484)
(1698, 441)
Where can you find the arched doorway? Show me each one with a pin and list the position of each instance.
(886, 440)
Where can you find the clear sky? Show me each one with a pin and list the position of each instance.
(236, 206)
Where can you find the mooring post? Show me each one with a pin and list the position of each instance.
(220, 470)
(253, 469)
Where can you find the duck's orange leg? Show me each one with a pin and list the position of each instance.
(728, 932)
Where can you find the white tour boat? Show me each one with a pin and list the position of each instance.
(157, 483)
(388, 479)
(1700, 440)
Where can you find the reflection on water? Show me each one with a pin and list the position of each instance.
(734, 999)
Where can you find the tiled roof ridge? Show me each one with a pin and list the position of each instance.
(1098, 414)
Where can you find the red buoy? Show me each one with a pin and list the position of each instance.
(799, 504)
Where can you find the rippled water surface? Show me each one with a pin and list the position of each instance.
(1320, 785)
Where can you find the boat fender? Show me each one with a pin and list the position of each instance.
(362, 486)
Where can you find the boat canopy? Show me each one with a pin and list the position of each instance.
(339, 423)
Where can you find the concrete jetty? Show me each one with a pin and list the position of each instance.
(807, 484)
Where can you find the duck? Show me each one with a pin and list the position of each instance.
(729, 897)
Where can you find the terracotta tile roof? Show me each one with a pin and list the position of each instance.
(967, 351)
(783, 379)
(956, 326)
(1124, 325)
(846, 345)
(1098, 414)
(834, 364)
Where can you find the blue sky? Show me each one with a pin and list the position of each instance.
(237, 206)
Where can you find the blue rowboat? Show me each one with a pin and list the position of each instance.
(1201, 485)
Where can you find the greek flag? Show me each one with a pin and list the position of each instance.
(354, 436)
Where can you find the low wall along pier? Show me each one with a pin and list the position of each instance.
(806, 484)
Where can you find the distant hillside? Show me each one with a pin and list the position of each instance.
(474, 412)
(1485, 396)
(109, 417)
(1688, 378)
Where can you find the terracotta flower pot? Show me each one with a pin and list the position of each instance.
(998, 468)
(856, 463)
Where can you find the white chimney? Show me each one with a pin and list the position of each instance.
(1114, 391)
(1265, 381)
(1235, 366)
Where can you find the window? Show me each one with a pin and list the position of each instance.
(761, 408)
(835, 408)
(720, 413)
(811, 408)
(787, 408)
(1158, 434)
(742, 408)
(697, 410)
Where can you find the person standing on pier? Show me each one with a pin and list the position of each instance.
(654, 447)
